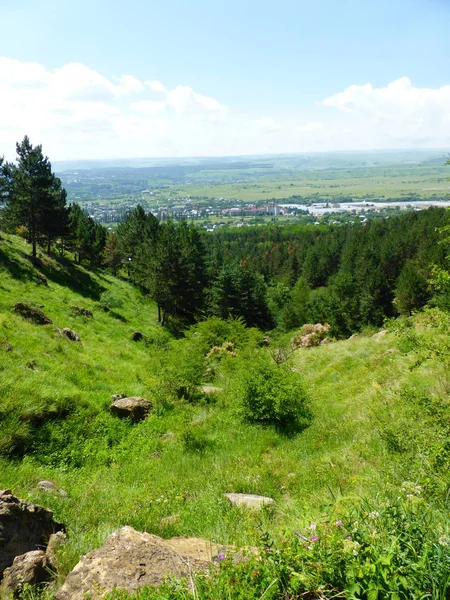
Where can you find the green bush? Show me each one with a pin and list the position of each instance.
(111, 300)
(271, 394)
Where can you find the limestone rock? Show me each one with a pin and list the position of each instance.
(24, 527)
(48, 486)
(129, 560)
(380, 334)
(34, 315)
(56, 540)
(252, 501)
(210, 390)
(134, 408)
(115, 397)
(70, 334)
(26, 568)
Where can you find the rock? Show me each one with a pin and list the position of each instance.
(310, 335)
(137, 336)
(46, 486)
(115, 397)
(7, 347)
(210, 390)
(380, 334)
(129, 560)
(26, 568)
(41, 280)
(134, 408)
(24, 527)
(70, 334)
(56, 541)
(252, 501)
(82, 312)
(34, 315)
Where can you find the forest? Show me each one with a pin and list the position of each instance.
(350, 276)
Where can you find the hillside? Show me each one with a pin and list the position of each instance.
(379, 424)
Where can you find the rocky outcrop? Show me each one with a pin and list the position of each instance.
(129, 560)
(24, 527)
(311, 335)
(252, 501)
(70, 334)
(134, 408)
(31, 314)
(27, 568)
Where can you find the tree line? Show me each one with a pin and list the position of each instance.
(349, 276)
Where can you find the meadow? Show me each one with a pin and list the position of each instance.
(379, 422)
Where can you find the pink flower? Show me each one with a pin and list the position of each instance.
(221, 557)
(338, 523)
(314, 538)
(313, 527)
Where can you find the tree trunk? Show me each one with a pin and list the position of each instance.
(49, 243)
(34, 247)
(159, 314)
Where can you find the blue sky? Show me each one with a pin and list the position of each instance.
(234, 77)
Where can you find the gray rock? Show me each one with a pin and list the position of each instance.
(129, 560)
(115, 397)
(24, 527)
(134, 408)
(31, 314)
(252, 501)
(210, 390)
(70, 334)
(51, 554)
(46, 486)
(26, 568)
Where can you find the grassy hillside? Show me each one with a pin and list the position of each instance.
(379, 404)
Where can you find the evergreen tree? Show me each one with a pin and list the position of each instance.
(113, 256)
(35, 198)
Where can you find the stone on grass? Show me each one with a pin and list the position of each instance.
(70, 334)
(134, 408)
(380, 334)
(24, 527)
(130, 560)
(55, 541)
(7, 347)
(252, 501)
(115, 397)
(31, 314)
(210, 390)
(137, 336)
(27, 568)
(48, 486)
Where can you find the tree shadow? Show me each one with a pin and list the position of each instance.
(70, 275)
(16, 269)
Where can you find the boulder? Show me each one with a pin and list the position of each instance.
(70, 334)
(380, 334)
(134, 408)
(55, 541)
(24, 527)
(27, 568)
(115, 397)
(252, 501)
(129, 560)
(137, 336)
(34, 315)
(48, 486)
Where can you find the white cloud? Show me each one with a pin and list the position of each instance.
(313, 126)
(77, 112)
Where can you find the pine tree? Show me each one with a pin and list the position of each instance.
(35, 198)
(113, 256)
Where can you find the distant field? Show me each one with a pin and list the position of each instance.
(397, 182)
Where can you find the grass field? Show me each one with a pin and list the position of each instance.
(56, 424)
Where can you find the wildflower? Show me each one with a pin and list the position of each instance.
(313, 526)
(221, 557)
(444, 540)
(314, 538)
(351, 547)
(339, 523)
(349, 537)
(374, 515)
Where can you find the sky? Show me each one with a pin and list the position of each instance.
(144, 78)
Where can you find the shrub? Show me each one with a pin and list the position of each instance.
(271, 394)
(111, 300)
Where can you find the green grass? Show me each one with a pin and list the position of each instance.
(54, 399)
